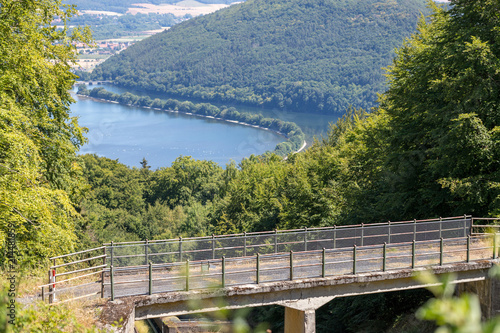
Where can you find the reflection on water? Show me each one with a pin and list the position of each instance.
(311, 124)
(130, 133)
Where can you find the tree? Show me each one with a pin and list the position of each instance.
(39, 176)
(442, 102)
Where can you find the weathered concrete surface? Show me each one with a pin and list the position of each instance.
(297, 321)
(119, 314)
(488, 291)
(304, 295)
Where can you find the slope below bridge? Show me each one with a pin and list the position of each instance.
(299, 269)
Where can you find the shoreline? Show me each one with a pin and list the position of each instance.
(304, 144)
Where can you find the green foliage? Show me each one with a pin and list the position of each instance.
(454, 314)
(307, 55)
(39, 176)
(39, 317)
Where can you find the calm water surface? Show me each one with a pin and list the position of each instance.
(130, 133)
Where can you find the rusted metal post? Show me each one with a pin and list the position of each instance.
(187, 275)
(291, 265)
(440, 227)
(150, 278)
(354, 259)
(323, 263)
(43, 294)
(146, 252)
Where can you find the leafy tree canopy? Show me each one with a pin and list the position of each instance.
(38, 136)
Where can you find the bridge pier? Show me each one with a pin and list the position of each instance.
(488, 291)
(299, 321)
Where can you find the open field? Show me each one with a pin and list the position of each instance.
(193, 8)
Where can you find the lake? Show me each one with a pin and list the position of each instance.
(130, 134)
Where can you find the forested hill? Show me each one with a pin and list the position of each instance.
(308, 55)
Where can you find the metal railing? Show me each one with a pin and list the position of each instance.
(261, 268)
(133, 268)
(86, 269)
(246, 244)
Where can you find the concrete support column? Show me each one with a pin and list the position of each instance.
(488, 291)
(298, 321)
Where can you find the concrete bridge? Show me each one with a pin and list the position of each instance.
(298, 269)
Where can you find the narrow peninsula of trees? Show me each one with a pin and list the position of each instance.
(295, 136)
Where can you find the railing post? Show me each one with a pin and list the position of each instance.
(440, 227)
(111, 278)
(414, 229)
(305, 239)
(441, 246)
(275, 240)
(213, 246)
(150, 278)
(51, 295)
(384, 257)
(187, 274)
(354, 259)
(258, 268)
(54, 284)
(413, 254)
(245, 244)
(291, 265)
(335, 236)
(468, 248)
(111, 254)
(465, 225)
(43, 294)
(102, 274)
(495, 245)
(362, 233)
(223, 271)
(323, 263)
(146, 252)
(180, 249)
(389, 233)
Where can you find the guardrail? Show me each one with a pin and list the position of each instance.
(277, 241)
(195, 275)
(78, 274)
(202, 262)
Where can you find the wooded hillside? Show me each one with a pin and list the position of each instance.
(308, 55)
